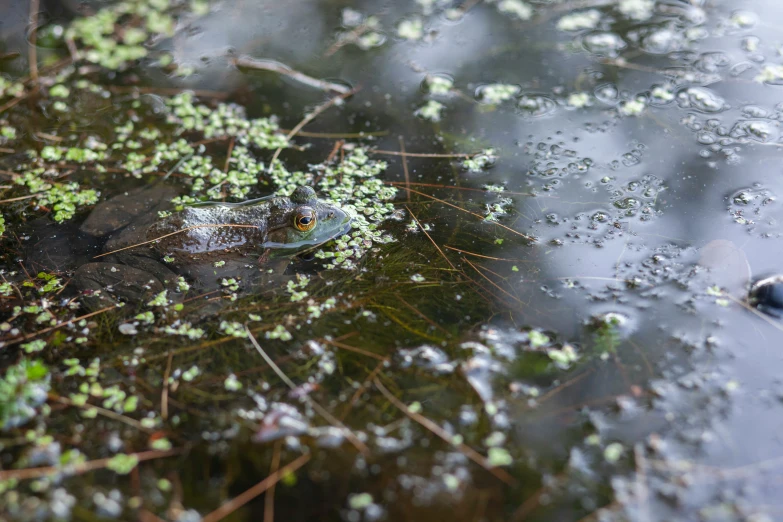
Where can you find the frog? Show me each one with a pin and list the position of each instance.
(145, 250)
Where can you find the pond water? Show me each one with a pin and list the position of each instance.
(541, 312)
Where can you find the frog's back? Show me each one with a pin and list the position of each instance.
(128, 208)
(207, 229)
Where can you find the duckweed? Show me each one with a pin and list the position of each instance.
(430, 111)
(495, 93)
(516, 8)
(579, 21)
(22, 389)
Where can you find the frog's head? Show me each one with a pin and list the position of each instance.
(303, 221)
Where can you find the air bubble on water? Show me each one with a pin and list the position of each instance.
(744, 19)
(627, 203)
(535, 105)
(607, 93)
(662, 41)
(712, 62)
(761, 131)
(701, 99)
(753, 111)
(603, 43)
(751, 43)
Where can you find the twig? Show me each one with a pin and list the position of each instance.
(346, 39)
(72, 50)
(20, 198)
(310, 117)
(50, 137)
(164, 394)
(429, 237)
(228, 154)
(641, 489)
(337, 146)
(51, 69)
(420, 314)
(249, 494)
(485, 257)
(554, 391)
(469, 189)
(12, 175)
(529, 238)
(354, 349)
(269, 498)
(168, 90)
(273, 66)
(32, 54)
(421, 154)
(13, 102)
(530, 503)
(55, 327)
(344, 135)
(84, 467)
(102, 411)
(440, 432)
(317, 407)
(361, 389)
(515, 298)
(405, 170)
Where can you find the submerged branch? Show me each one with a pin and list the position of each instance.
(273, 66)
(317, 407)
(310, 117)
(529, 238)
(440, 432)
(84, 467)
(249, 494)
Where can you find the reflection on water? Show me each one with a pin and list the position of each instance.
(612, 362)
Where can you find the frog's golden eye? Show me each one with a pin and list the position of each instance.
(304, 219)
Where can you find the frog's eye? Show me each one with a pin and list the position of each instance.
(304, 220)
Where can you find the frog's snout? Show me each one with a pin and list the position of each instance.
(338, 216)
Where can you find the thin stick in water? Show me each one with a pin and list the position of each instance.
(310, 117)
(249, 494)
(317, 407)
(440, 432)
(32, 51)
(280, 68)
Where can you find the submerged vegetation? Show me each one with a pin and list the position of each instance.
(539, 312)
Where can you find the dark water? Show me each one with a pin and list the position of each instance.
(648, 229)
